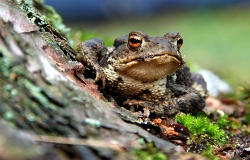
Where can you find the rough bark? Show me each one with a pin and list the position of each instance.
(47, 109)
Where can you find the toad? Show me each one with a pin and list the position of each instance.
(145, 73)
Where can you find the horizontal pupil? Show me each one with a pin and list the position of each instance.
(134, 40)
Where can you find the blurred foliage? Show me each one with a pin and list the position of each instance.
(80, 35)
(208, 153)
(149, 153)
(224, 122)
(243, 94)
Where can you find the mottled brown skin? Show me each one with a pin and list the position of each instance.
(146, 72)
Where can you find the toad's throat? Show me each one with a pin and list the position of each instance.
(148, 71)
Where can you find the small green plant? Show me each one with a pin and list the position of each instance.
(201, 128)
(149, 153)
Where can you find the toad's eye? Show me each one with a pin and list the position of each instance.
(134, 41)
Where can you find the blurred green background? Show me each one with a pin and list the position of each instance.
(215, 38)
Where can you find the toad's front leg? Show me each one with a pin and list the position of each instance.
(149, 109)
(183, 99)
(89, 52)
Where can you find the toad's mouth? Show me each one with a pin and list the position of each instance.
(150, 69)
(149, 57)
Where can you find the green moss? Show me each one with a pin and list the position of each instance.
(201, 128)
(44, 17)
(53, 18)
(149, 153)
(33, 14)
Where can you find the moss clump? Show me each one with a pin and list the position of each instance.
(201, 128)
